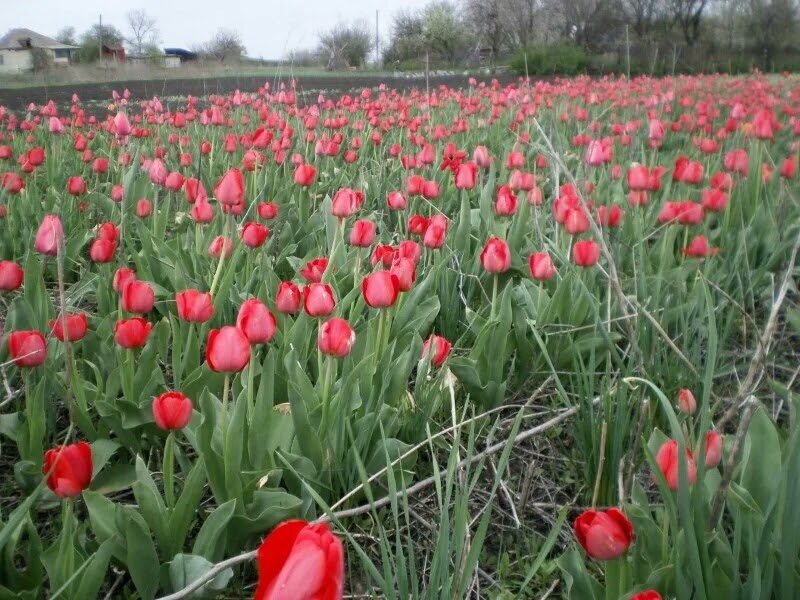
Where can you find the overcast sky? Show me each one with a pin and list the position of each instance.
(269, 28)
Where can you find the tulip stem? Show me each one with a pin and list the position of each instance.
(226, 388)
(379, 339)
(326, 390)
(218, 271)
(493, 311)
(251, 393)
(64, 550)
(169, 470)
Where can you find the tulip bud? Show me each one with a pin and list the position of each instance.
(289, 298)
(336, 337)
(228, 350)
(172, 410)
(27, 348)
(68, 469)
(256, 321)
(605, 535)
(686, 401)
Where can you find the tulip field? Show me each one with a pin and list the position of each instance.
(500, 341)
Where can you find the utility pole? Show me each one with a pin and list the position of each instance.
(377, 42)
(100, 41)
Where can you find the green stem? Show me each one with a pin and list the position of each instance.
(251, 393)
(494, 299)
(169, 471)
(226, 388)
(65, 542)
(378, 340)
(327, 381)
(130, 375)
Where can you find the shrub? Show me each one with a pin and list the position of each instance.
(555, 59)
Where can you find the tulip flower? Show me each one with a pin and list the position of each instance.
(668, 463)
(435, 232)
(122, 277)
(254, 235)
(541, 266)
(138, 297)
(496, 256)
(11, 276)
(396, 201)
(319, 299)
(268, 210)
(605, 535)
(363, 233)
(71, 328)
(76, 186)
(506, 203)
(482, 157)
(336, 338)
(380, 289)
(230, 190)
(289, 298)
(713, 449)
(305, 175)
(700, 247)
(102, 250)
(586, 253)
(27, 348)
(647, 595)
(256, 321)
(144, 208)
(194, 306)
(172, 411)
(220, 246)
(228, 350)
(466, 176)
(405, 269)
(686, 401)
(437, 349)
(346, 202)
(300, 560)
(68, 469)
(132, 333)
(314, 270)
(50, 236)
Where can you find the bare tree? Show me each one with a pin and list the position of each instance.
(642, 14)
(688, 15)
(66, 35)
(345, 45)
(143, 30)
(225, 45)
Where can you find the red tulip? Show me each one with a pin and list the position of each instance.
(256, 321)
(102, 250)
(466, 176)
(12, 183)
(305, 174)
(289, 298)
(194, 306)
(667, 460)
(405, 269)
(383, 255)
(396, 201)
(336, 337)
(605, 535)
(138, 297)
(203, 211)
(437, 348)
(409, 249)
(610, 216)
(435, 232)
(228, 350)
(300, 561)
(482, 157)
(346, 202)
(380, 289)
(430, 190)
(132, 333)
(496, 256)
(506, 203)
(700, 247)
(122, 277)
(172, 410)
(220, 246)
(230, 189)
(100, 165)
(118, 193)
(27, 348)
(319, 299)
(647, 595)
(174, 181)
(576, 221)
(49, 236)
(11, 276)
(515, 160)
(586, 253)
(415, 185)
(254, 235)
(686, 401)
(144, 208)
(789, 167)
(68, 469)
(713, 449)
(314, 270)
(542, 267)
(76, 186)
(268, 210)
(76, 326)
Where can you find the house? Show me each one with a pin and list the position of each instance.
(114, 52)
(17, 48)
(180, 54)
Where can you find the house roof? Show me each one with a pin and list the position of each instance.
(21, 38)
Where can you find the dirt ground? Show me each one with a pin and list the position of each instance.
(17, 99)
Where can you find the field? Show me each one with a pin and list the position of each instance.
(499, 340)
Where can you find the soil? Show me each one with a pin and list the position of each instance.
(308, 88)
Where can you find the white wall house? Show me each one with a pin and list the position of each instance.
(17, 47)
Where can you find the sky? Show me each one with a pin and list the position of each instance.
(268, 28)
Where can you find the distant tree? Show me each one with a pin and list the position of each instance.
(345, 45)
(42, 60)
(143, 30)
(772, 25)
(408, 40)
(304, 58)
(66, 35)
(642, 15)
(93, 37)
(688, 16)
(225, 45)
(444, 31)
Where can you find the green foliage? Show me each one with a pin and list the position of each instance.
(555, 59)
